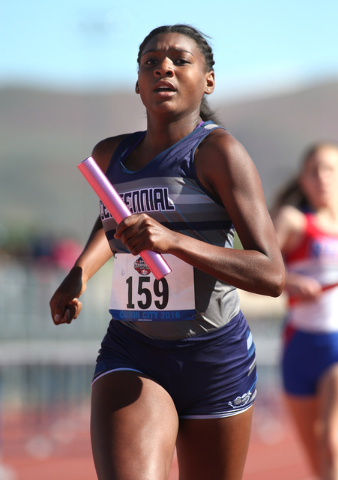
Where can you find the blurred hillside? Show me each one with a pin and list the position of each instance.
(44, 135)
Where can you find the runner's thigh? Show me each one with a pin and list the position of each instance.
(133, 427)
(214, 449)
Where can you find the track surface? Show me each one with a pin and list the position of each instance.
(37, 446)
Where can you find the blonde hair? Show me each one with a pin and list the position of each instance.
(291, 193)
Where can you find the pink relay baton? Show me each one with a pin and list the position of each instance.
(119, 210)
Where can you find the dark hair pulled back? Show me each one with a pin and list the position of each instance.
(200, 39)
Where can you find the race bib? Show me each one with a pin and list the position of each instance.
(138, 296)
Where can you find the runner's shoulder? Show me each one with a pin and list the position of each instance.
(104, 150)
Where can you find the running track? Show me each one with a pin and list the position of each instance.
(36, 449)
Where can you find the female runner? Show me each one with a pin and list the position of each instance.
(307, 230)
(177, 365)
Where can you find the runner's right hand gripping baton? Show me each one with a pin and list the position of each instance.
(119, 210)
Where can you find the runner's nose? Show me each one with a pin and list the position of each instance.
(164, 69)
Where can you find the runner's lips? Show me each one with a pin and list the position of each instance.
(164, 86)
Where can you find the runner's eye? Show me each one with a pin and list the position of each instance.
(150, 61)
(182, 61)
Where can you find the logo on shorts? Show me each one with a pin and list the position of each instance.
(241, 401)
(141, 267)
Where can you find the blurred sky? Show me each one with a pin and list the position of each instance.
(259, 46)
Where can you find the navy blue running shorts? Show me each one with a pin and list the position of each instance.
(209, 376)
(306, 357)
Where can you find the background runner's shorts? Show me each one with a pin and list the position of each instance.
(208, 376)
(306, 357)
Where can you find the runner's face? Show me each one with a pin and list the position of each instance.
(319, 177)
(172, 75)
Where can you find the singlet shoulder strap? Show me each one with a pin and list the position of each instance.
(310, 225)
(124, 147)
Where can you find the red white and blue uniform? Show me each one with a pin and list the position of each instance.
(311, 330)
